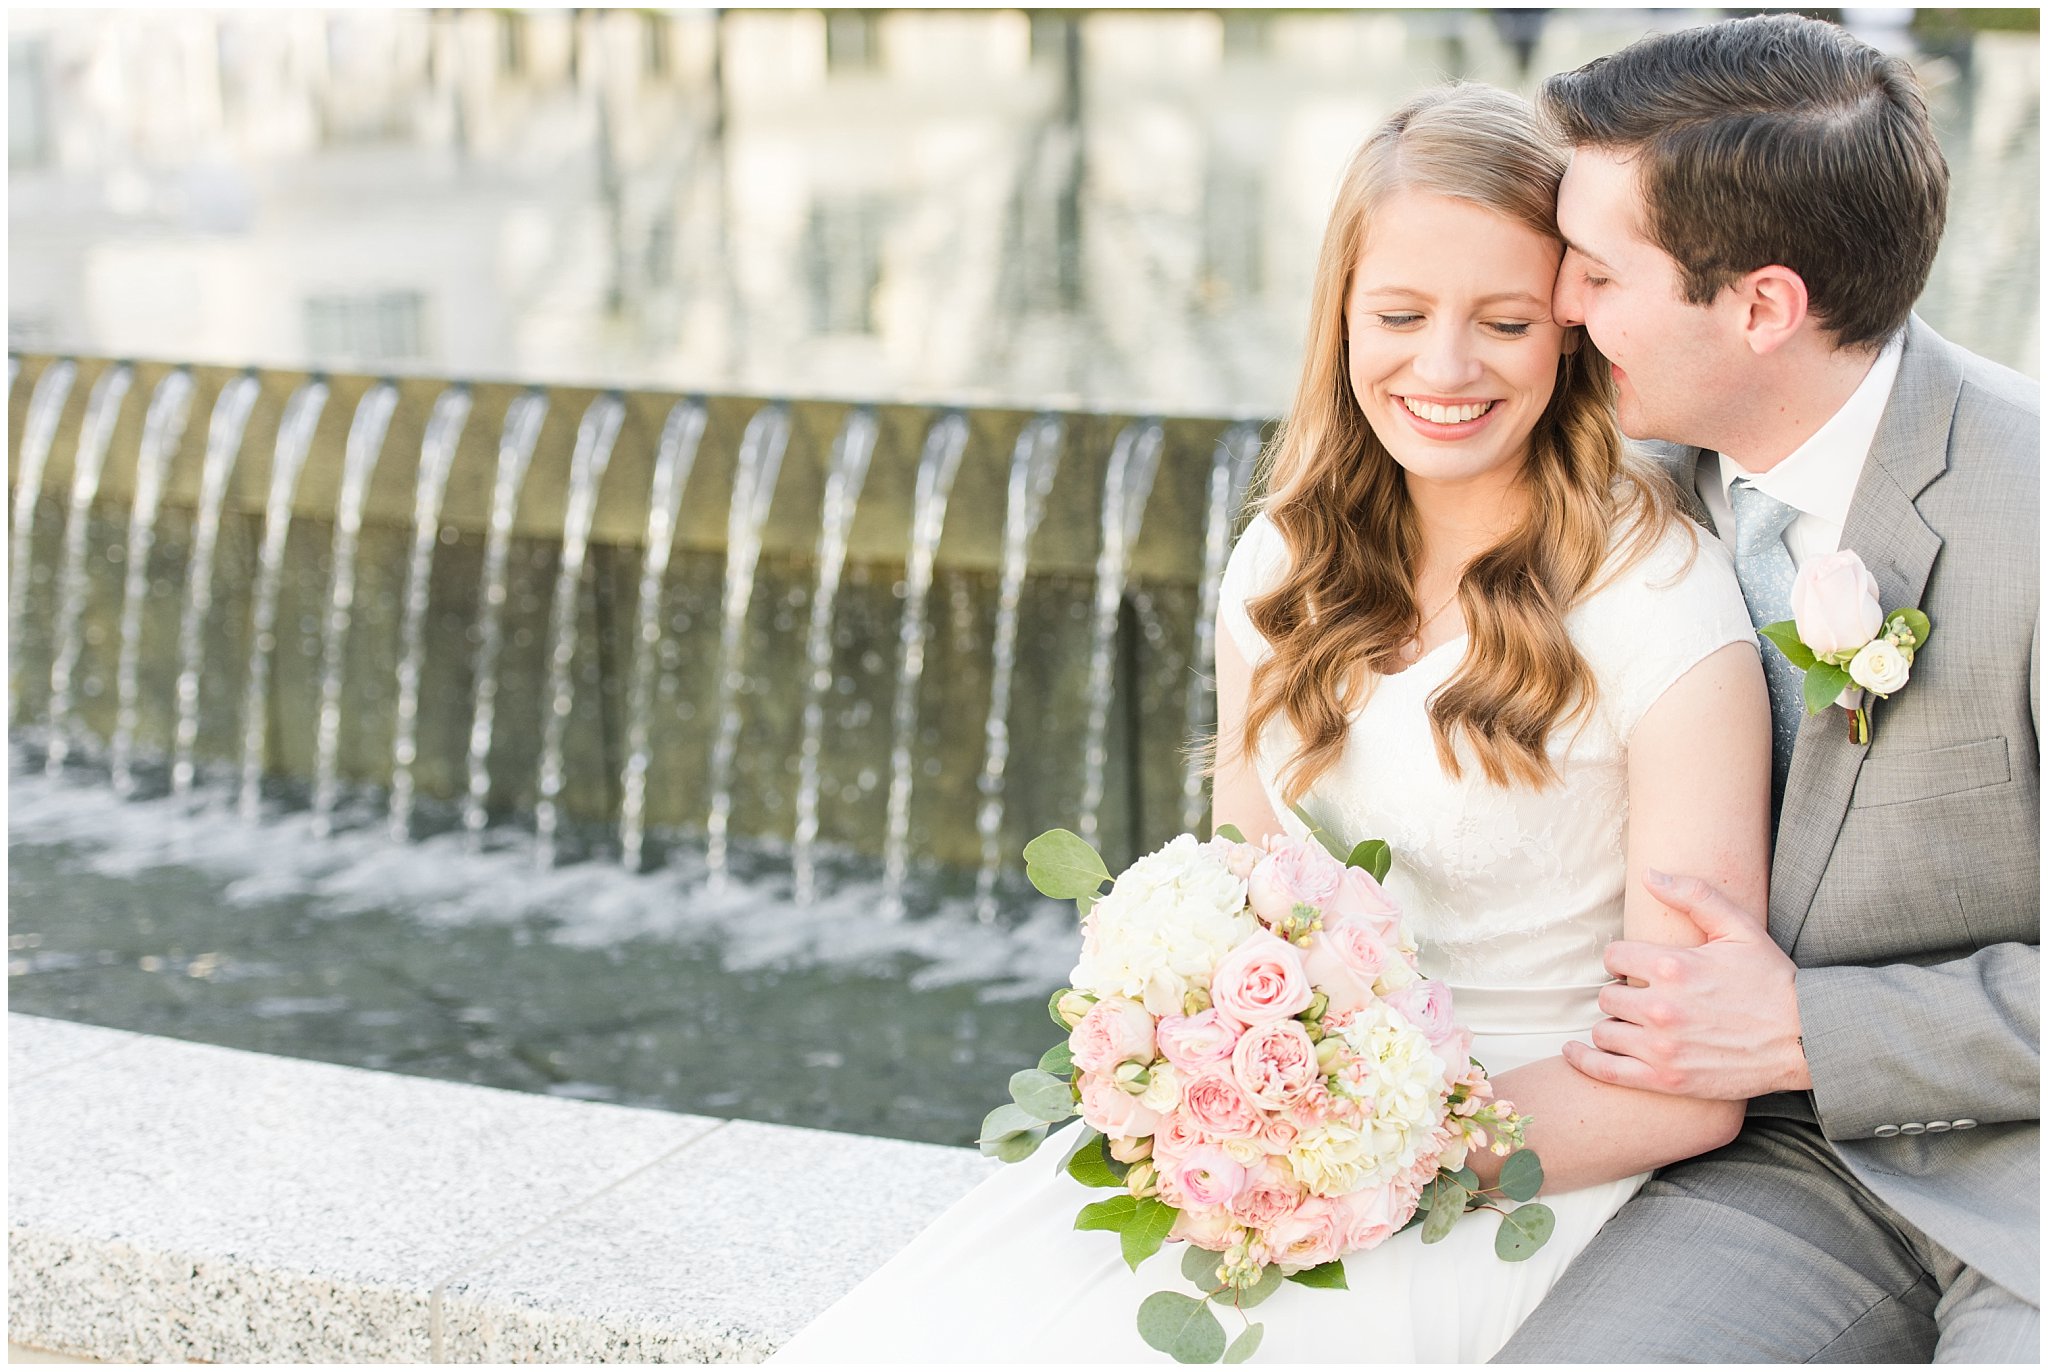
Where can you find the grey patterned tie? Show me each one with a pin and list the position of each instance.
(1763, 565)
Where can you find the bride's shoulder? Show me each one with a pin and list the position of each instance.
(1672, 566)
(1257, 564)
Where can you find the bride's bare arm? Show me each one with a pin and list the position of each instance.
(1699, 786)
(1236, 797)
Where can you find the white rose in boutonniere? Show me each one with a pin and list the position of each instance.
(1843, 640)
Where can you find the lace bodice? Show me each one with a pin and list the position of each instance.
(1508, 888)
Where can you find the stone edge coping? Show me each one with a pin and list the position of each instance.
(171, 1201)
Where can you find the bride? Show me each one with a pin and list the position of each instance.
(1466, 622)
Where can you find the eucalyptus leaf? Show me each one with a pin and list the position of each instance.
(1521, 1176)
(1466, 1178)
(1183, 1328)
(1199, 1266)
(1112, 1214)
(1823, 684)
(1058, 1060)
(1091, 1166)
(1269, 1281)
(1328, 1277)
(1330, 845)
(1061, 864)
(1784, 635)
(1245, 1344)
(1525, 1229)
(1443, 1216)
(1231, 832)
(1003, 1121)
(1042, 1095)
(1374, 856)
(1147, 1230)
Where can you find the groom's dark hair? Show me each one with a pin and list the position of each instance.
(1774, 140)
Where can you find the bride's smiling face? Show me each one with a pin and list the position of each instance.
(1453, 354)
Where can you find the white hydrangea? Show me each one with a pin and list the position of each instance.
(1403, 1078)
(1160, 931)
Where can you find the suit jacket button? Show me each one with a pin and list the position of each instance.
(1965, 1124)
(1938, 1126)
(1885, 1131)
(1912, 1129)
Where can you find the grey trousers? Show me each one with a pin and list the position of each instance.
(1769, 1250)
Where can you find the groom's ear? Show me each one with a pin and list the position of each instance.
(1772, 305)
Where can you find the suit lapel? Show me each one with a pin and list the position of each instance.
(1886, 530)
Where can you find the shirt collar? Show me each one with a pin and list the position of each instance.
(1819, 476)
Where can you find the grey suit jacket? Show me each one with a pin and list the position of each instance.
(1906, 878)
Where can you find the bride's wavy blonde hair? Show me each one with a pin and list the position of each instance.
(1347, 605)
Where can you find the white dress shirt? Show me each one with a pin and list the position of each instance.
(1818, 478)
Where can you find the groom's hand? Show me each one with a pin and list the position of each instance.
(1716, 1022)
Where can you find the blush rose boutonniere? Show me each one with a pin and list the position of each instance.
(1841, 637)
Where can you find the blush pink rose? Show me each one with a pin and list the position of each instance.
(1364, 900)
(1309, 1235)
(1426, 1005)
(1114, 1030)
(1372, 1215)
(1275, 1063)
(1834, 603)
(1279, 1134)
(1215, 1104)
(1293, 872)
(1239, 858)
(1177, 1133)
(1261, 980)
(1114, 1112)
(1206, 1176)
(1192, 1042)
(1205, 1226)
(1344, 961)
(1269, 1192)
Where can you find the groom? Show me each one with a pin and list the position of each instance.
(1751, 209)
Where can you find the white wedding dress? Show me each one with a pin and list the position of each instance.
(1512, 894)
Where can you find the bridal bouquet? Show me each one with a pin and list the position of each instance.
(1261, 1072)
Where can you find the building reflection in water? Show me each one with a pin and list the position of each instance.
(1072, 208)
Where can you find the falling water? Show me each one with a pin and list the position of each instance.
(437, 455)
(223, 444)
(45, 407)
(1033, 463)
(759, 462)
(1133, 462)
(1230, 475)
(102, 410)
(673, 462)
(595, 435)
(515, 450)
(849, 472)
(160, 439)
(943, 447)
(365, 445)
(294, 439)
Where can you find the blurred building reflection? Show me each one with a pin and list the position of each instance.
(1084, 207)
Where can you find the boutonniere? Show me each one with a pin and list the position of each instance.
(1840, 636)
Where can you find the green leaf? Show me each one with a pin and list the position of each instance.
(1147, 1230)
(1823, 684)
(1052, 1007)
(1231, 832)
(1092, 1166)
(1466, 1178)
(1010, 1134)
(1058, 1060)
(1183, 1328)
(1112, 1214)
(1521, 1176)
(1374, 856)
(1525, 1229)
(1199, 1265)
(1442, 1216)
(1328, 1277)
(1785, 635)
(1016, 1147)
(1330, 845)
(1269, 1281)
(1062, 865)
(1042, 1095)
(1245, 1344)
(1080, 1139)
(1915, 621)
(1086, 902)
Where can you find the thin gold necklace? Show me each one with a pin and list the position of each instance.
(1412, 648)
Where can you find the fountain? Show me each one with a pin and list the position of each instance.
(1126, 488)
(223, 445)
(595, 435)
(45, 408)
(515, 451)
(365, 445)
(1230, 476)
(674, 460)
(1033, 464)
(847, 473)
(437, 455)
(294, 440)
(168, 412)
(102, 410)
(759, 463)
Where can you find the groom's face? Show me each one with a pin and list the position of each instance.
(1668, 355)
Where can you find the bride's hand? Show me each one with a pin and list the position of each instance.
(1715, 1022)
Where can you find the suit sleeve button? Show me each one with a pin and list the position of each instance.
(1912, 1129)
(1938, 1126)
(1885, 1131)
(1965, 1124)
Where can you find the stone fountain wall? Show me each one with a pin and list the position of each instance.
(1156, 653)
